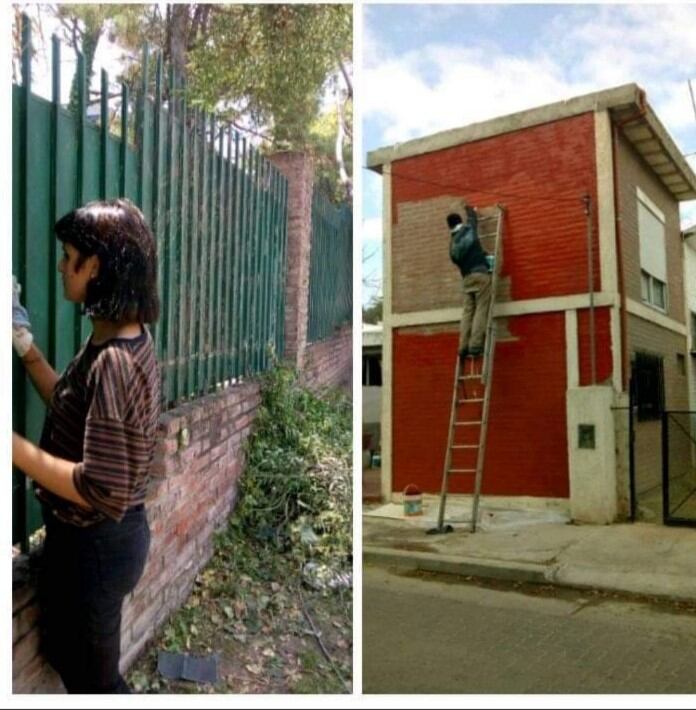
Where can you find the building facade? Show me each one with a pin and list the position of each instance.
(591, 292)
(690, 296)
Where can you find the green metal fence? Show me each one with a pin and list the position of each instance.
(217, 208)
(331, 270)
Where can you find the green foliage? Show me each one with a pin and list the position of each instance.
(264, 67)
(271, 62)
(372, 313)
(322, 145)
(294, 510)
(296, 490)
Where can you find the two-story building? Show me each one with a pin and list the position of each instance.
(585, 305)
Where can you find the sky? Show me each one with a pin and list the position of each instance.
(428, 68)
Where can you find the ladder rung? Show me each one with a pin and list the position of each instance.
(470, 377)
(461, 401)
(467, 423)
(465, 446)
(462, 470)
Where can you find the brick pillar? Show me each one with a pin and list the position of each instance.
(298, 169)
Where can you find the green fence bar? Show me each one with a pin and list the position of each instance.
(156, 217)
(229, 254)
(331, 268)
(237, 264)
(123, 155)
(55, 173)
(144, 138)
(184, 256)
(244, 290)
(219, 275)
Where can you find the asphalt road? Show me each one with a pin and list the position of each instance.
(444, 635)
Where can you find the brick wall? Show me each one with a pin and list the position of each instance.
(603, 361)
(297, 168)
(330, 361)
(634, 173)
(545, 247)
(528, 397)
(647, 337)
(545, 255)
(194, 483)
(193, 490)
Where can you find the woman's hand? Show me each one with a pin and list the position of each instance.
(21, 327)
(42, 374)
(50, 472)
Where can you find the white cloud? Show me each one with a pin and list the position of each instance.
(440, 86)
(372, 230)
(468, 88)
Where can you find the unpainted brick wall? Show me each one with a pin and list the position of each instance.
(194, 486)
(633, 173)
(329, 362)
(193, 490)
(651, 338)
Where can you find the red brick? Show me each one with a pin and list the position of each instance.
(528, 397)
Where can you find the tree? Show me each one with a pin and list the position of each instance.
(265, 68)
(332, 148)
(83, 26)
(372, 313)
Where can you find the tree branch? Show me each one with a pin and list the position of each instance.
(346, 78)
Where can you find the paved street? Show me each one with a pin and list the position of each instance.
(443, 635)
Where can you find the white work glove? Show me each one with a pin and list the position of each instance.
(21, 333)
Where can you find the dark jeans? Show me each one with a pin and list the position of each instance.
(85, 575)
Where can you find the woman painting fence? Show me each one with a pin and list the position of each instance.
(92, 464)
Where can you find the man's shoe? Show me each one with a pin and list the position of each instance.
(463, 353)
(476, 352)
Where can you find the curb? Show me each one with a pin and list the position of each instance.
(558, 575)
(463, 566)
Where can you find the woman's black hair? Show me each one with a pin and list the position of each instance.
(125, 288)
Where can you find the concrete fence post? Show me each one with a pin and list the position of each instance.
(299, 170)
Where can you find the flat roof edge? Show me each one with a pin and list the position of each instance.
(674, 153)
(609, 98)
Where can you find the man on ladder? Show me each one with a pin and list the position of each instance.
(468, 254)
(477, 337)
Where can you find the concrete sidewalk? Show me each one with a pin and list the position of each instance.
(542, 547)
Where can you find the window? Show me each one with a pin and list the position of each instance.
(648, 386)
(652, 291)
(372, 371)
(653, 266)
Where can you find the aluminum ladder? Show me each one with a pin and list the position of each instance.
(471, 406)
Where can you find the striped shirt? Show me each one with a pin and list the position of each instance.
(103, 414)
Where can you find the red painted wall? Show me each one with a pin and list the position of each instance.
(540, 174)
(527, 443)
(602, 346)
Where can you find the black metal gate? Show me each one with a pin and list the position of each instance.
(661, 459)
(679, 468)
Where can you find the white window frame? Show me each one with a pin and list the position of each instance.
(643, 199)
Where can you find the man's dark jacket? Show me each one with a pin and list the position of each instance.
(465, 248)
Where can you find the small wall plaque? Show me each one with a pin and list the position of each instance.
(586, 436)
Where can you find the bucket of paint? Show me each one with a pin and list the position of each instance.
(490, 259)
(413, 500)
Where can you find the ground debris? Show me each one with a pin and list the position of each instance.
(294, 514)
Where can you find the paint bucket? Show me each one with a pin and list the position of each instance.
(413, 500)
